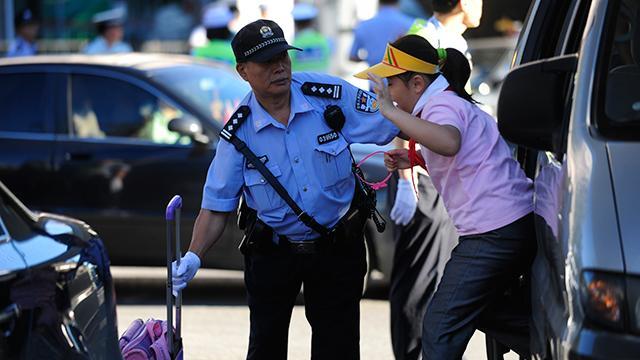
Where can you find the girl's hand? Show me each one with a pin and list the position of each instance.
(397, 159)
(382, 93)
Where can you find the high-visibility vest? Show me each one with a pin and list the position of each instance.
(315, 55)
(217, 50)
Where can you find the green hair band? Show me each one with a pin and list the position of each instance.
(442, 56)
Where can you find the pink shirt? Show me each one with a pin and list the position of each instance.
(482, 186)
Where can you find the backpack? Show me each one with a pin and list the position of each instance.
(146, 341)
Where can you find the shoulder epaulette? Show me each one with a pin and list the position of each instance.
(229, 129)
(329, 91)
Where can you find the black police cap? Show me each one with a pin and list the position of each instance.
(25, 17)
(259, 41)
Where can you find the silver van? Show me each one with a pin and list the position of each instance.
(572, 105)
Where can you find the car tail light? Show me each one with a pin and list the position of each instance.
(603, 299)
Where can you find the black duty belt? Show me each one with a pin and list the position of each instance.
(350, 223)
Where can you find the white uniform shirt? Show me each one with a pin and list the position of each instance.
(440, 37)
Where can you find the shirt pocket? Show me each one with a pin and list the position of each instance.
(333, 163)
(263, 193)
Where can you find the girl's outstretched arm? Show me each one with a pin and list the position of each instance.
(441, 139)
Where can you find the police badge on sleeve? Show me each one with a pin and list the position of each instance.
(366, 102)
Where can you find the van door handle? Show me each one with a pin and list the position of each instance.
(78, 156)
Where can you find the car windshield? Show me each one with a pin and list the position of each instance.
(13, 224)
(214, 91)
(4, 235)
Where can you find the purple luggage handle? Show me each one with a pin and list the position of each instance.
(173, 230)
(174, 205)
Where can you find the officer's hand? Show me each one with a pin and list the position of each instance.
(189, 265)
(380, 87)
(406, 203)
(397, 159)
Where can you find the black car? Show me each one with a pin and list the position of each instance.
(88, 137)
(56, 293)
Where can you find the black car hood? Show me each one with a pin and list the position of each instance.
(56, 238)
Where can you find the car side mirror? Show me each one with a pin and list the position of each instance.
(188, 126)
(533, 101)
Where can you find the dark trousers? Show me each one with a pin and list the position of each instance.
(422, 248)
(333, 281)
(472, 293)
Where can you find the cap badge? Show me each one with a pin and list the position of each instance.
(266, 32)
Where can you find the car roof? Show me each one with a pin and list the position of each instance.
(139, 61)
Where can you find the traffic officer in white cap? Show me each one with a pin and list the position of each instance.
(110, 32)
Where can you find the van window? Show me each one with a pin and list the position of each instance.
(104, 107)
(26, 101)
(546, 27)
(619, 69)
(577, 26)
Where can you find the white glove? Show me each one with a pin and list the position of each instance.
(406, 203)
(189, 265)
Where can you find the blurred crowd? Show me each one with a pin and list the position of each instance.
(204, 28)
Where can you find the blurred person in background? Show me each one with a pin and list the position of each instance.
(110, 33)
(175, 20)
(371, 36)
(264, 10)
(198, 37)
(215, 21)
(451, 18)
(425, 235)
(27, 27)
(316, 48)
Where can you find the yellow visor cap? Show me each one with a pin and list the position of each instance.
(396, 62)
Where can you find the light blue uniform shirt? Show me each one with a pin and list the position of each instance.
(373, 35)
(317, 176)
(21, 47)
(99, 45)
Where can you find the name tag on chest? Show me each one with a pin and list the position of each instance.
(328, 137)
(264, 159)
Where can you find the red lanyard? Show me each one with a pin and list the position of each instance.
(415, 159)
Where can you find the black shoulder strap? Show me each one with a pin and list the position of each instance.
(235, 121)
(329, 91)
(228, 133)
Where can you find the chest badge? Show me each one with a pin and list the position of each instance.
(328, 137)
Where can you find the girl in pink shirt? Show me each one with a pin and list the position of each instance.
(486, 193)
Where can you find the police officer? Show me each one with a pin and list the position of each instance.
(216, 23)
(27, 26)
(109, 25)
(316, 49)
(371, 36)
(282, 122)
